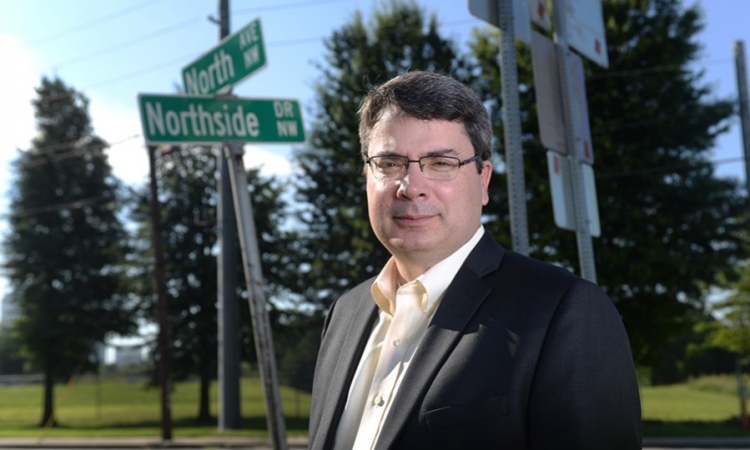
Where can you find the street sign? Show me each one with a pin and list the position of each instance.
(585, 26)
(236, 57)
(580, 109)
(547, 93)
(549, 99)
(180, 119)
(539, 12)
(562, 194)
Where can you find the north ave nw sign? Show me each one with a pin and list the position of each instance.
(233, 59)
(180, 119)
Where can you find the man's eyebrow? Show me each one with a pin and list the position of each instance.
(443, 152)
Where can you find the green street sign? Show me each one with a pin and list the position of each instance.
(236, 57)
(180, 119)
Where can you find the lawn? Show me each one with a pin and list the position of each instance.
(130, 408)
(707, 406)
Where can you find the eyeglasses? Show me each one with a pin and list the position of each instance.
(394, 167)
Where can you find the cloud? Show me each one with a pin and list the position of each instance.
(16, 112)
(274, 161)
(121, 128)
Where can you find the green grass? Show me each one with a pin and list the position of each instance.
(707, 406)
(124, 408)
(119, 407)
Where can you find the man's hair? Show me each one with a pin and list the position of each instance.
(427, 96)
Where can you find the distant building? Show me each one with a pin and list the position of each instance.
(9, 311)
(128, 356)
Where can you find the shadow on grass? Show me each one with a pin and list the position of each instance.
(728, 428)
(253, 425)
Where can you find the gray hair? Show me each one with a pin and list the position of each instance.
(427, 96)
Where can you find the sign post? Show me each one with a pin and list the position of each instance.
(572, 132)
(176, 119)
(500, 13)
(196, 119)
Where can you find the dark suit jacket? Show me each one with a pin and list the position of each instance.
(519, 355)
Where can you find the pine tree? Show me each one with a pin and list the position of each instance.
(66, 246)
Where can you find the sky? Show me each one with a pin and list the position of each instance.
(111, 51)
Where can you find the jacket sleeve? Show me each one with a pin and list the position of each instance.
(584, 393)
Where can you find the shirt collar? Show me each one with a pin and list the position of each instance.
(434, 281)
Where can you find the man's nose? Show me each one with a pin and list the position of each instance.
(414, 183)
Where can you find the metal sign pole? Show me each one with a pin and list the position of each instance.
(583, 234)
(512, 129)
(256, 295)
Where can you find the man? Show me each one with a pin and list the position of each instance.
(458, 343)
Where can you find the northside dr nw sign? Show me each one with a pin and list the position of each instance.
(182, 119)
(232, 60)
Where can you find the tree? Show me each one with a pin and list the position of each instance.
(732, 331)
(66, 246)
(338, 249)
(670, 226)
(188, 196)
(11, 361)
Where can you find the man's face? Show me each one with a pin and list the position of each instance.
(419, 220)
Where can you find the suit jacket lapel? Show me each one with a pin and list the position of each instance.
(464, 295)
(343, 370)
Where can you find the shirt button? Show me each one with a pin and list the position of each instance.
(396, 342)
(378, 401)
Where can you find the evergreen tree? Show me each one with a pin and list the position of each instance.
(339, 250)
(66, 246)
(669, 224)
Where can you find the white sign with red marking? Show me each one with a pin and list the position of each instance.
(539, 11)
(562, 194)
(585, 27)
(581, 109)
(549, 102)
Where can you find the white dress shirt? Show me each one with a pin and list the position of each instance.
(405, 312)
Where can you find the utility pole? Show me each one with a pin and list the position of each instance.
(229, 315)
(165, 381)
(739, 60)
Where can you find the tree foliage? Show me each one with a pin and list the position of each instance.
(339, 250)
(66, 246)
(669, 224)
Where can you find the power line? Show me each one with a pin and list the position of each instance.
(97, 21)
(287, 6)
(120, 46)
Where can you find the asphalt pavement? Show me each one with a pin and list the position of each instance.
(295, 443)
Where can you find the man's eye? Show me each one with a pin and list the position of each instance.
(441, 163)
(389, 164)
